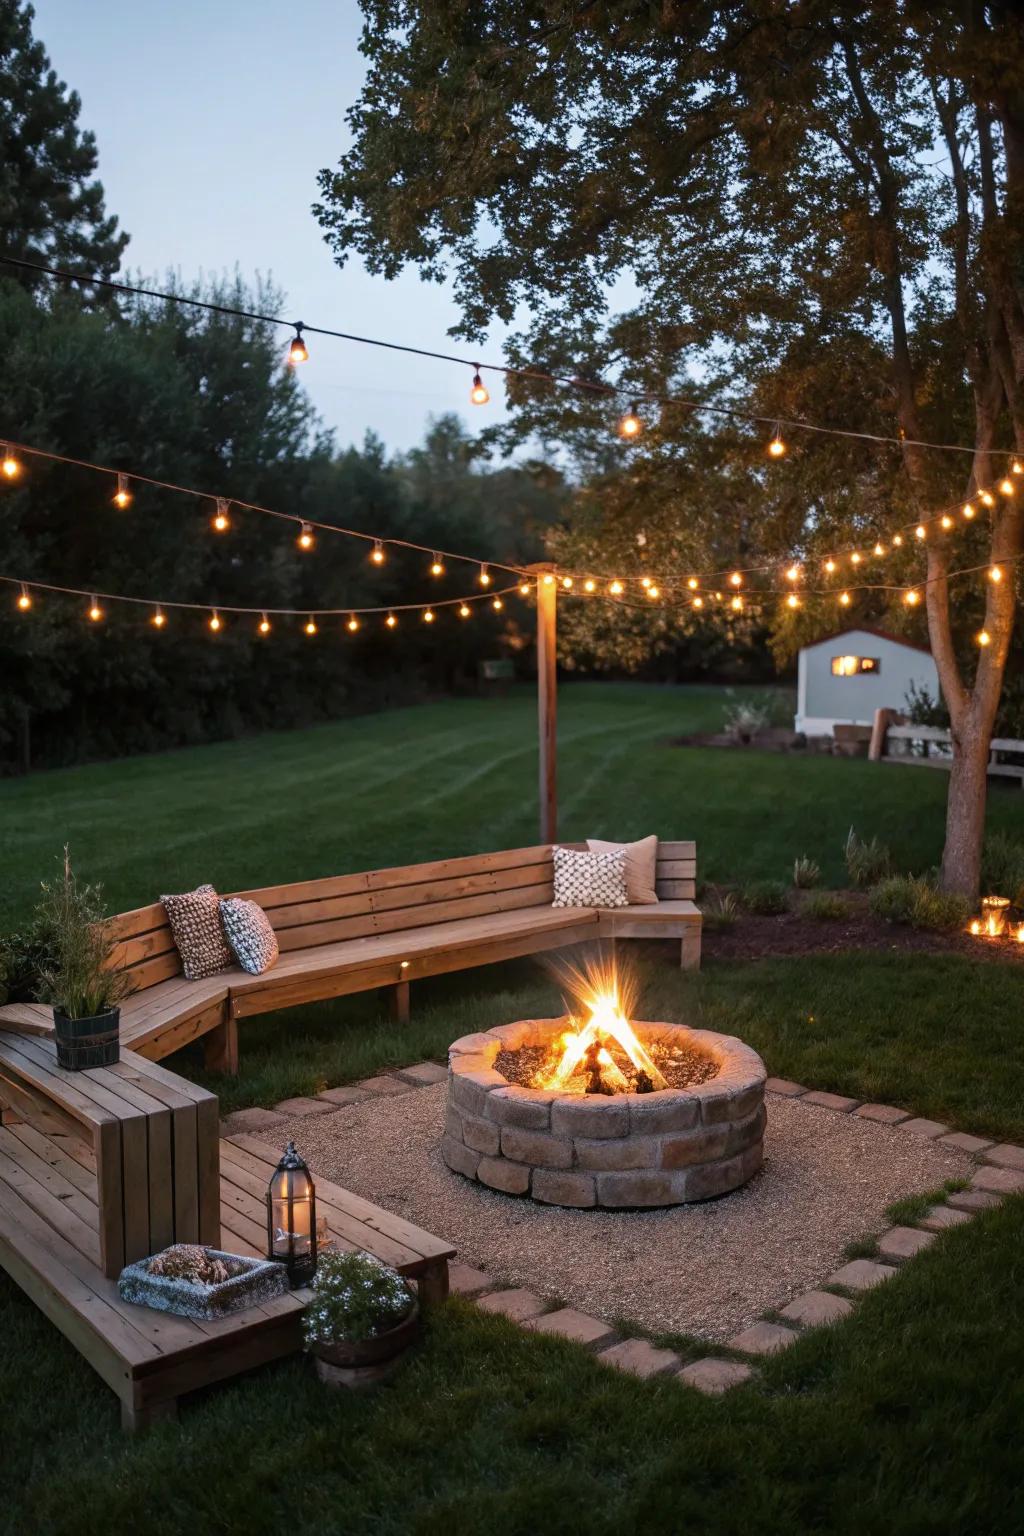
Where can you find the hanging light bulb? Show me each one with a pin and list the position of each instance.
(549, 580)
(377, 553)
(298, 352)
(464, 611)
(920, 532)
(497, 605)
(968, 510)
(897, 539)
(24, 599)
(159, 618)
(844, 598)
(830, 566)
(264, 625)
(912, 598)
(879, 550)
(390, 621)
(428, 615)
(653, 592)
(645, 581)
(777, 448)
(984, 638)
(524, 588)
(215, 621)
(221, 520)
(122, 496)
(484, 577)
(567, 583)
(945, 521)
(352, 624)
(792, 601)
(630, 424)
(437, 566)
(1007, 486)
(995, 573)
(693, 583)
(698, 602)
(305, 539)
(95, 611)
(310, 625)
(855, 558)
(478, 394)
(737, 604)
(736, 579)
(615, 588)
(590, 584)
(9, 464)
(793, 574)
(987, 498)
(1017, 468)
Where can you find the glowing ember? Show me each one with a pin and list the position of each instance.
(589, 1052)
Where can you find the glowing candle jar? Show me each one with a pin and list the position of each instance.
(291, 1218)
(993, 915)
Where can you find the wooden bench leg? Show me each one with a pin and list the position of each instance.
(397, 998)
(689, 957)
(134, 1418)
(220, 1048)
(433, 1285)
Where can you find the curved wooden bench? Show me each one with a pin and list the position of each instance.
(381, 928)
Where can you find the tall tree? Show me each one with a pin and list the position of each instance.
(733, 191)
(51, 206)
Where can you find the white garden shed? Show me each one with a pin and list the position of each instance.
(844, 678)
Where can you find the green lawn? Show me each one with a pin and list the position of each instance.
(903, 1420)
(459, 777)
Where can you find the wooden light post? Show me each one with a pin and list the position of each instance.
(547, 699)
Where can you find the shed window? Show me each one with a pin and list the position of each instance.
(854, 666)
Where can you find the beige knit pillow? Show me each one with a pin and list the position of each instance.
(641, 863)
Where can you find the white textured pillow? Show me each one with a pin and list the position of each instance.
(250, 934)
(589, 879)
(641, 866)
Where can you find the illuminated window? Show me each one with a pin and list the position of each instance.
(854, 666)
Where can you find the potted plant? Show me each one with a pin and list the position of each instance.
(362, 1319)
(84, 992)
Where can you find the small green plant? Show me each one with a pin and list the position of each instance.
(913, 1208)
(355, 1297)
(866, 862)
(827, 907)
(721, 911)
(765, 898)
(912, 900)
(806, 873)
(921, 708)
(76, 979)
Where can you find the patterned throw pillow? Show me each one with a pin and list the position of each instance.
(194, 917)
(589, 879)
(250, 934)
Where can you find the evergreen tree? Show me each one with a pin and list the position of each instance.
(51, 206)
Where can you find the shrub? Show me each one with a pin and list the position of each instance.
(743, 720)
(23, 958)
(356, 1297)
(1002, 867)
(866, 863)
(912, 900)
(827, 907)
(805, 873)
(721, 911)
(766, 898)
(76, 980)
(921, 708)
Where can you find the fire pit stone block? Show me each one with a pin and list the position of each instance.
(618, 1150)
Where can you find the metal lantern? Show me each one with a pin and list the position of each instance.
(291, 1218)
(993, 915)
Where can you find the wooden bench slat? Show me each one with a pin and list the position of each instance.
(34, 1183)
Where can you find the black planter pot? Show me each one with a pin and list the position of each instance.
(82, 1043)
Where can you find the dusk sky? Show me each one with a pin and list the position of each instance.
(212, 122)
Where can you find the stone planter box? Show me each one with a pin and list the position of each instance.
(258, 1280)
(663, 1148)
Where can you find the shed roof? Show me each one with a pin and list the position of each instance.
(867, 629)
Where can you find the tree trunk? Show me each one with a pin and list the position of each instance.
(965, 812)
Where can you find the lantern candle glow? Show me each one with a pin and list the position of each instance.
(291, 1218)
(993, 916)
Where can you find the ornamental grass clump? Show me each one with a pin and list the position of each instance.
(914, 901)
(806, 873)
(866, 862)
(356, 1297)
(826, 907)
(76, 979)
(765, 898)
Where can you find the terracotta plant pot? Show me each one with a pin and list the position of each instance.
(84, 1043)
(366, 1362)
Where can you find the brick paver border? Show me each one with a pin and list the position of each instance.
(999, 1171)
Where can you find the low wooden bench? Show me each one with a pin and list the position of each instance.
(101, 1167)
(381, 928)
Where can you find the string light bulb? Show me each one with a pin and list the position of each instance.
(736, 580)
(653, 592)
(305, 539)
(24, 599)
(549, 580)
(844, 599)
(484, 577)
(615, 588)
(630, 423)
(298, 352)
(437, 565)
(1017, 468)
(590, 585)
(792, 601)
(464, 611)
(645, 582)
(984, 638)
(920, 532)
(987, 498)
(777, 448)
(352, 624)
(968, 510)
(567, 583)
(737, 604)
(693, 583)
(698, 602)
(221, 519)
(428, 615)
(524, 588)
(912, 597)
(159, 618)
(497, 605)
(793, 574)
(479, 394)
(377, 553)
(830, 566)
(855, 558)
(263, 627)
(879, 550)
(390, 621)
(122, 496)
(945, 521)
(897, 540)
(214, 621)
(95, 611)
(995, 573)
(1007, 486)
(9, 464)
(310, 625)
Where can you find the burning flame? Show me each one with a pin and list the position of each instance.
(597, 989)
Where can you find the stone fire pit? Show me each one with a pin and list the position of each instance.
(623, 1149)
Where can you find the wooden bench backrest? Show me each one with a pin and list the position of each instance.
(314, 912)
